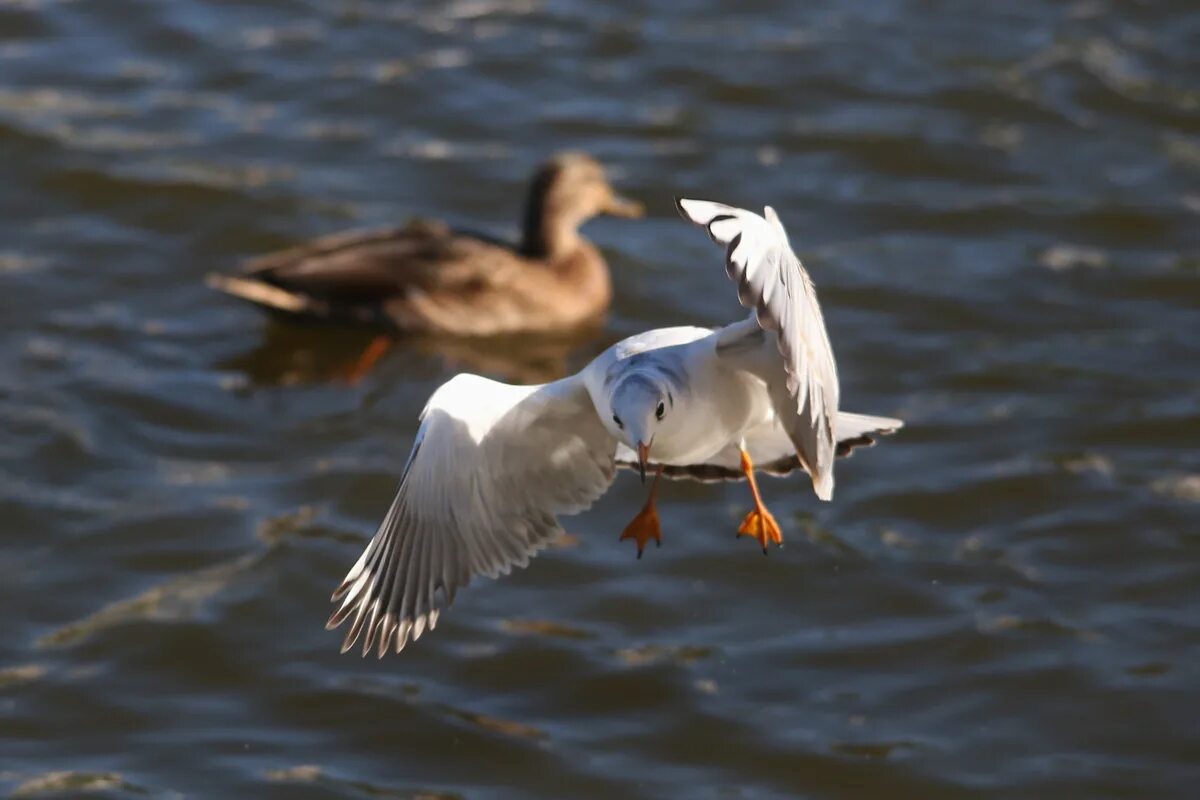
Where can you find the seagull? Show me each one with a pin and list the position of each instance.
(494, 465)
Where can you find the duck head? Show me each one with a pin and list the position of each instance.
(566, 192)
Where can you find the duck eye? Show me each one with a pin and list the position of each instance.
(660, 411)
(617, 420)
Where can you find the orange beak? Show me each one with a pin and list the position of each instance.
(619, 206)
(643, 451)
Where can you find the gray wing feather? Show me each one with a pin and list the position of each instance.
(492, 467)
(772, 281)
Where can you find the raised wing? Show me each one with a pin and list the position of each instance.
(772, 282)
(491, 468)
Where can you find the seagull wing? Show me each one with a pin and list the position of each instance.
(772, 281)
(771, 449)
(491, 468)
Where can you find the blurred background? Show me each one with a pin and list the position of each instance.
(1000, 206)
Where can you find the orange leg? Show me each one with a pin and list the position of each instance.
(759, 523)
(369, 358)
(645, 525)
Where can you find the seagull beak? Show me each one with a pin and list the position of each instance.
(643, 451)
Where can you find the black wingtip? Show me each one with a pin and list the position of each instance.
(846, 447)
(339, 616)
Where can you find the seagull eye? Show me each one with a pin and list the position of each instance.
(660, 411)
(617, 420)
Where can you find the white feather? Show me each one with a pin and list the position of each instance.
(772, 281)
(492, 467)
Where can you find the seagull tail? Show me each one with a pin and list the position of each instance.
(852, 426)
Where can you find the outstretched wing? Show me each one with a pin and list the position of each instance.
(771, 450)
(491, 468)
(772, 281)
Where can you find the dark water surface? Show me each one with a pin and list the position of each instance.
(1001, 206)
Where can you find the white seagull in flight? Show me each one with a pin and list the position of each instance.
(494, 465)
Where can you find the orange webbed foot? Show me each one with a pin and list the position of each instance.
(761, 524)
(644, 527)
(366, 362)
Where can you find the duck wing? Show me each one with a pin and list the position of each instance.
(422, 277)
(377, 264)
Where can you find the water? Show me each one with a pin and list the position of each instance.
(1001, 208)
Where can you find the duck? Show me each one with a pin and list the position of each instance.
(427, 278)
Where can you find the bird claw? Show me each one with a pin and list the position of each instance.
(644, 527)
(761, 525)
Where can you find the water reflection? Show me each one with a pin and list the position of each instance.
(290, 354)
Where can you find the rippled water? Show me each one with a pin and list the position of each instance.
(1001, 206)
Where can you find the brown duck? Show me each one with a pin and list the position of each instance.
(426, 278)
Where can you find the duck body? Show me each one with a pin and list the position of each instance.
(425, 277)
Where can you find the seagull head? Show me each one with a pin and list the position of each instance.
(639, 405)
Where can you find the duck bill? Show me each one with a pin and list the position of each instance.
(619, 206)
(643, 454)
